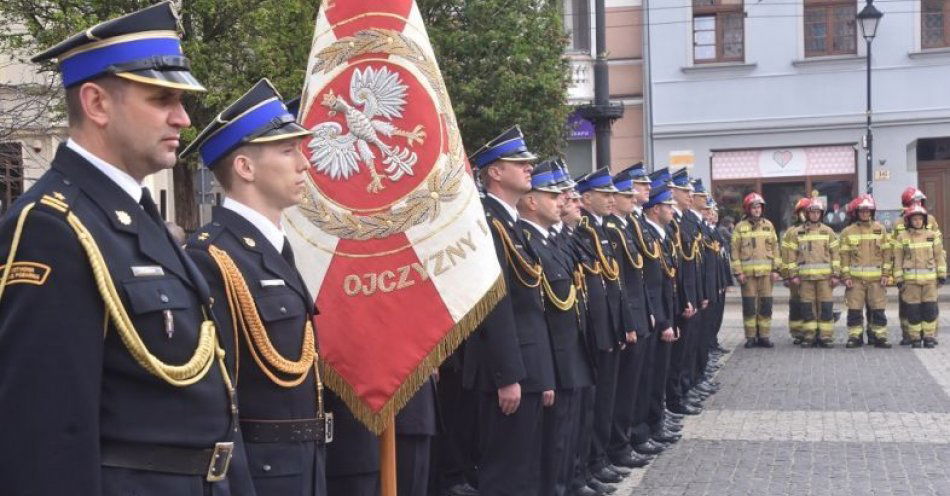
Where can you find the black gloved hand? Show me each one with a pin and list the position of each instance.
(941, 280)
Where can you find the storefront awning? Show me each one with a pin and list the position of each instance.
(783, 162)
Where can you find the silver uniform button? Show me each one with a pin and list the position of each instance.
(164, 298)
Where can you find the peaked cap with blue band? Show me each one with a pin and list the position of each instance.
(293, 106)
(681, 180)
(698, 187)
(599, 180)
(544, 177)
(563, 175)
(637, 173)
(660, 195)
(259, 116)
(509, 145)
(142, 46)
(623, 182)
(660, 177)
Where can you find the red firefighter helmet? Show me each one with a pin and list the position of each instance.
(864, 201)
(801, 205)
(752, 199)
(915, 210)
(815, 204)
(850, 210)
(912, 194)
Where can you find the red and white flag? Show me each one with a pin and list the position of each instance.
(392, 238)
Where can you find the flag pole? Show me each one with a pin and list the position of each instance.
(387, 459)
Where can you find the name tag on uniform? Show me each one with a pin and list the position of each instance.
(269, 283)
(147, 270)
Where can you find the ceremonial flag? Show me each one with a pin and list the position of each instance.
(392, 237)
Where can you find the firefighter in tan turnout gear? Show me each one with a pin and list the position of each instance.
(919, 267)
(814, 267)
(865, 268)
(910, 197)
(794, 298)
(756, 261)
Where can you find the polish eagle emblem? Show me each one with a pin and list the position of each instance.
(381, 94)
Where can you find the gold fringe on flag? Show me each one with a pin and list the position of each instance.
(377, 421)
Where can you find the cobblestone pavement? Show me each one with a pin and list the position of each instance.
(789, 421)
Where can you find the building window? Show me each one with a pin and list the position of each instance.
(718, 31)
(830, 27)
(11, 174)
(935, 23)
(577, 23)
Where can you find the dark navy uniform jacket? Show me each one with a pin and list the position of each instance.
(68, 384)
(725, 266)
(573, 252)
(689, 273)
(572, 365)
(284, 305)
(627, 250)
(660, 287)
(712, 282)
(609, 317)
(511, 344)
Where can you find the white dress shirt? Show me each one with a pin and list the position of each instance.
(512, 211)
(657, 227)
(272, 232)
(118, 176)
(544, 232)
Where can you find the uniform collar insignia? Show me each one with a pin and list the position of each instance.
(250, 242)
(123, 217)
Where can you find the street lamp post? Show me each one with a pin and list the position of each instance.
(868, 19)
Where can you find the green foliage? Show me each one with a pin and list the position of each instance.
(231, 43)
(502, 59)
(503, 63)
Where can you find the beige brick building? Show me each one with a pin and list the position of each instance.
(31, 130)
(626, 69)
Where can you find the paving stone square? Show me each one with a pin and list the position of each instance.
(792, 421)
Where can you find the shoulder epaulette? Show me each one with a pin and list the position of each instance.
(203, 237)
(58, 196)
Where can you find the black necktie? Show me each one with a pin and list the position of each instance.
(149, 206)
(288, 253)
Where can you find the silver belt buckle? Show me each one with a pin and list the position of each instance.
(328, 427)
(220, 461)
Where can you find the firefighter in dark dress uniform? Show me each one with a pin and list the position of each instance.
(113, 373)
(660, 279)
(623, 239)
(610, 320)
(539, 210)
(253, 148)
(508, 357)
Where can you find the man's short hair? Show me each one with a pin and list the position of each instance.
(223, 169)
(74, 112)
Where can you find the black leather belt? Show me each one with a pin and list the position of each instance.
(210, 462)
(285, 431)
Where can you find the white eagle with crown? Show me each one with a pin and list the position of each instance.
(382, 96)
